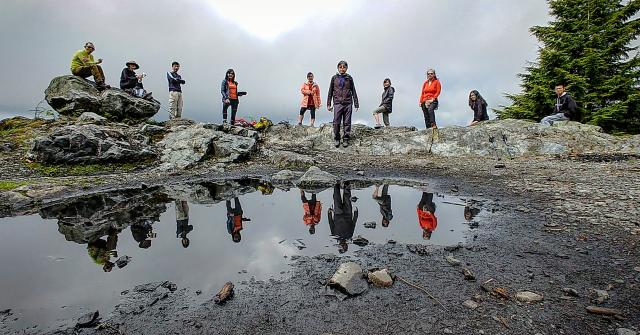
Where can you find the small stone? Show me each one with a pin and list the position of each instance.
(88, 320)
(625, 331)
(380, 278)
(570, 292)
(526, 296)
(599, 296)
(370, 224)
(360, 241)
(499, 166)
(360, 173)
(123, 261)
(470, 304)
(169, 286)
(198, 292)
(452, 260)
(468, 275)
(637, 268)
(447, 331)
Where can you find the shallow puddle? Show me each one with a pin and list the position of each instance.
(62, 262)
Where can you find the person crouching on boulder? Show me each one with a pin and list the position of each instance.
(341, 98)
(131, 82)
(478, 106)
(230, 95)
(429, 98)
(83, 65)
(310, 99)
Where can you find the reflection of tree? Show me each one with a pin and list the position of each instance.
(86, 219)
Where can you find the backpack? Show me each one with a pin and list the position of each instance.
(263, 123)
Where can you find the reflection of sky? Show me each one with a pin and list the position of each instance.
(47, 272)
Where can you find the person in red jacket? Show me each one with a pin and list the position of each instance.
(426, 215)
(429, 98)
(312, 211)
(310, 99)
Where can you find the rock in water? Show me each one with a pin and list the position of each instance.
(225, 293)
(370, 224)
(348, 278)
(72, 96)
(526, 296)
(88, 320)
(123, 261)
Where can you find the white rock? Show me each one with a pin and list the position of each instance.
(380, 278)
(527, 296)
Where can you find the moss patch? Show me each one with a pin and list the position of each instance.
(84, 170)
(18, 129)
(6, 185)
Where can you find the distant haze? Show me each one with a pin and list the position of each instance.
(272, 45)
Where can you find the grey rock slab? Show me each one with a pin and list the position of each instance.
(314, 177)
(625, 331)
(90, 117)
(285, 176)
(88, 320)
(349, 278)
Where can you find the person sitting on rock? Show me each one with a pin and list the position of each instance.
(426, 215)
(565, 108)
(478, 106)
(386, 104)
(182, 222)
(384, 201)
(131, 82)
(234, 219)
(342, 217)
(312, 211)
(83, 65)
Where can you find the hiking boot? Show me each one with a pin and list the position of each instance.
(377, 126)
(345, 143)
(337, 144)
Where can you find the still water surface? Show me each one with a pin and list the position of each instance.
(52, 271)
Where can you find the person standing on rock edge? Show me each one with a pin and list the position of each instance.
(182, 222)
(342, 92)
(429, 98)
(175, 91)
(342, 217)
(565, 108)
(83, 65)
(234, 219)
(230, 95)
(310, 99)
(312, 211)
(478, 106)
(386, 104)
(426, 215)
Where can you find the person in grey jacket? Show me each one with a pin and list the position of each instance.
(386, 104)
(565, 108)
(230, 95)
(341, 98)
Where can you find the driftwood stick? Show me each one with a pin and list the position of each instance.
(421, 289)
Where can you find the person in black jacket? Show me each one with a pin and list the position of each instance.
(175, 91)
(565, 108)
(342, 216)
(478, 106)
(386, 104)
(341, 98)
(131, 82)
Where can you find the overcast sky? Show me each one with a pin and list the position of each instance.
(272, 45)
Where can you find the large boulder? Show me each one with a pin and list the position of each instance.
(496, 138)
(315, 178)
(186, 145)
(90, 143)
(72, 96)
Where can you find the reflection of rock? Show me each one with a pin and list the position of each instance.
(72, 96)
(314, 177)
(86, 219)
(498, 137)
(89, 143)
(286, 177)
(186, 145)
(209, 192)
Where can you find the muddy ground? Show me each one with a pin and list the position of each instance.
(557, 223)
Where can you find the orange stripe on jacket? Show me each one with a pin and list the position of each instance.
(430, 90)
(306, 89)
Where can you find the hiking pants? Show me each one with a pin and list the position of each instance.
(429, 113)
(385, 115)
(549, 120)
(234, 109)
(88, 71)
(342, 114)
(175, 104)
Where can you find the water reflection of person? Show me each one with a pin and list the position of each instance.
(342, 216)
(143, 233)
(234, 219)
(182, 222)
(426, 215)
(312, 211)
(384, 200)
(101, 251)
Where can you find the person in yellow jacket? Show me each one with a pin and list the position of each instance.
(83, 65)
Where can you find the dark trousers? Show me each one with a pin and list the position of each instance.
(342, 114)
(429, 113)
(238, 208)
(311, 109)
(312, 202)
(427, 201)
(234, 109)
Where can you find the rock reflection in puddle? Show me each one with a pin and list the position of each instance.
(201, 236)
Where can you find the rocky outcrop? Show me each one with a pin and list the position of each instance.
(186, 145)
(90, 143)
(86, 219)
(500, 138)
(315, 178)
(72, 96)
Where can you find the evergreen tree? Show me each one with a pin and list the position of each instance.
(589, 47)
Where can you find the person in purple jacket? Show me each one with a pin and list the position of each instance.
(340, 99)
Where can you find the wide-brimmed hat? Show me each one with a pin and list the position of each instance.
(134, 63)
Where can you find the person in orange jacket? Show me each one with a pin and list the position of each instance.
(312, 211)
(310, 99)
(429, 98)
(426, 215)
(234, 219)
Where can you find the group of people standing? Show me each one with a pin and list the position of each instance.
(341, 97)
